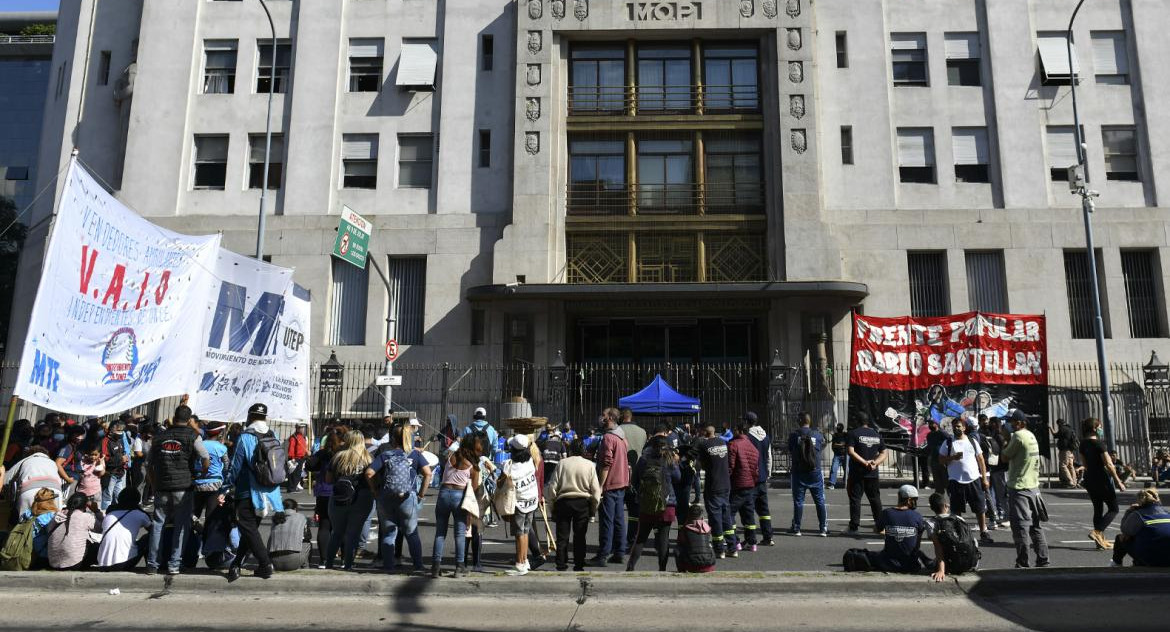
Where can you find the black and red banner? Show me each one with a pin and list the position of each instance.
(904, 372)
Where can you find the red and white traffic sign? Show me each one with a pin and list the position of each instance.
(391, 349)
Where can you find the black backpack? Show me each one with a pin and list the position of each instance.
(115, 450)
(345, 489)
(959, 550)
(652, 488)
(269, 460)
(806, 453)
(857, 561)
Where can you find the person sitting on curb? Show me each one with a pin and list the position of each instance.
(1145, 532)
(290, 539)
(694, 553)
(904, 530)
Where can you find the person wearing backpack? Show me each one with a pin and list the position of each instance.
(116, 449)
(169, 470)
(805, 445)
(1025, 505)
(352, 499)
(968, 476)
(955, 549)
(394, 476)
(253, 478)
(693, 550)
(552, 451)
(743, 462)
(654, 478)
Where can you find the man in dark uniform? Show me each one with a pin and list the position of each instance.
(866, 452)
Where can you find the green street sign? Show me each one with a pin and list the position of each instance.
(353, 238)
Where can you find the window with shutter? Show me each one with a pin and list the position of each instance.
(1143, 295)
(1054, 60)
(359, 161)
(972, 157)
(908, 59)
(348, 309)
(929, 293)
(265, 72)
(963, 52)
(408, 280)
(365, 64)
(256, 148)
(1121, 153)
(1078, 280)
(416, 66)
(986, 281)
(1062, 151)
(211, 153)
(916, 154)
(1110, 58)
(219, 66)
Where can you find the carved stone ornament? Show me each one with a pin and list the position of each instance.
(532, 142)
(796, 106)
(794, 39)
(581, 9)
(534, 42)
(795, 71)
(793, 8)
(533, 74)
(747, 8)
(557, 8)
(799, 141)
(532, 108)
(535, 10)
(769, 7)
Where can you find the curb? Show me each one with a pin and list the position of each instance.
(601, 585)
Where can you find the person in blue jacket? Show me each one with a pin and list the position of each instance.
(1145, 532)
(252, 501)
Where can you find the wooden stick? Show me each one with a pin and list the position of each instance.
(552, 542)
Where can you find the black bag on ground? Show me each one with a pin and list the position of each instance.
(856, 560)
(959, 549)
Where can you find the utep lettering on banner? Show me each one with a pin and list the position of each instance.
(257, 345)
(907, 371)
(118, 300)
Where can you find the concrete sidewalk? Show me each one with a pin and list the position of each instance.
(579, 585)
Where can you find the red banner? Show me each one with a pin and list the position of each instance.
(904, 354)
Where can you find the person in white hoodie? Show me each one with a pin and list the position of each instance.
(759, 438)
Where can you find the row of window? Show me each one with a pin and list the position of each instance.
(908, 58)
(366, 60)
(972, 156)
(987, 288)
(359, 160)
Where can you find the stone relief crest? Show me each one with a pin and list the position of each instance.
(532, 108)
(533, 74)
(794, 39)
(796, 106)
(532, 142)
(769, 7)
(799, 141)
(581, 9)
(557, 8)
(747, 8)
(795, 71)
(793, 8)
(535, 9)
(534, 42)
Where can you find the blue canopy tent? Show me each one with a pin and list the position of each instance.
(660, 399)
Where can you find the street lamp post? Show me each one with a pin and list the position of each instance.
(267, 135)
(1080, 186)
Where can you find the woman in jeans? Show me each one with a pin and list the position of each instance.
(1099, 479)
(460, 476)
(319, 464)
(660, 459)
(351, 500)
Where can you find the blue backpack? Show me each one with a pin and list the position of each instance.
(398, 474)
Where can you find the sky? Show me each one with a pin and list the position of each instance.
(28, 5)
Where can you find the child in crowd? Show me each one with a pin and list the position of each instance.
(93, 467)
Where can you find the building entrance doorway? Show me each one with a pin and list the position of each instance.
(659, 340)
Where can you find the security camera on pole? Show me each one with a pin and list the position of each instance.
(1078, 182)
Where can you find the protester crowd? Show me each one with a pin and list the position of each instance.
(128, 493)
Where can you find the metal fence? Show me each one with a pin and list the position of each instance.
(577, 393)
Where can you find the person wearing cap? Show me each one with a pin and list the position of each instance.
(298, 451)
(1025, 505)
(866, 452)
(519, 472)
(253, 501)
(904, 530)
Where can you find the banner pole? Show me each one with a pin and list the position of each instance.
(8, 426)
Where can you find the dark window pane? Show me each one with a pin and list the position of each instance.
(972, 173)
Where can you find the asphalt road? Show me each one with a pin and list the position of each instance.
(1067, 532)
(97, 611)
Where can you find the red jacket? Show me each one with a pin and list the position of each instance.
(298, 446)
(743, 459)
